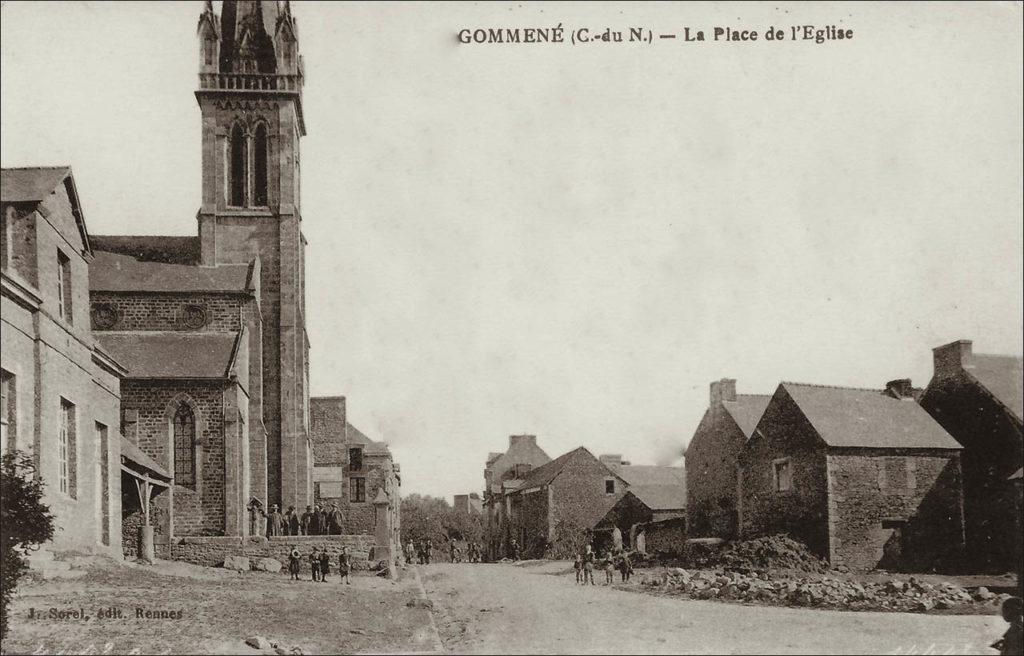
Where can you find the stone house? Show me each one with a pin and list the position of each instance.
(502, 472)
(866, 478)
(212, 327)
(640, 505)
(978, 399)
(61, 389)
(712, 459)
(560, 500)
(353, 471)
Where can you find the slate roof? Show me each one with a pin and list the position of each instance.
(660, 497)
(31, 184)
(152, 248)
(652, 475)
(1003, 377)
(370, 447)
(546, 473)
(113, 272)
(171, 354)
(130, 451)
(524, 452)
(851, 417)
(746, 410)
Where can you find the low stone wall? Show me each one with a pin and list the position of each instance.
(211, 551)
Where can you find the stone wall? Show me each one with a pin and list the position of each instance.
(664, 537)
(198, 509)
(711, 468)
(211, 551)
(801, 511)
(149, 311)
(897, 510)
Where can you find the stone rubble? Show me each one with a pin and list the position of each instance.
(895, 594)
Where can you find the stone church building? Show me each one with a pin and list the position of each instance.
(211, 328)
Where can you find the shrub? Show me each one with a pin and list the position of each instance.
(25, 522)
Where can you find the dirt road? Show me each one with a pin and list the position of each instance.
(536, 608)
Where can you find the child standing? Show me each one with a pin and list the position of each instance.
(294, 557)
(314, 564)
(609, 568)
(578, 566)
(588, 566)
(344, 565)
(625, 567)
(325, 565)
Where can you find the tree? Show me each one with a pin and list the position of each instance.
(431, 518)
(25, 522)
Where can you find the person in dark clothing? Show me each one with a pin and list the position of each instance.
(427, 549)
(334, 520)
(514, 549)
(274, 521)
(314, 563)
(344, 565)
(325, 565)
(305, 521)
(293, 521)
(1011, 642)
(317, 520)
(294, 559)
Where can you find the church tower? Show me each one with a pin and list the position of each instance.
(250, 96)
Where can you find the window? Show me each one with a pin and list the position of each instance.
(208, 46)
(8, 412)
(184, 446)
(357, 489)
(783, 474)
(103, 483)
(355, 459)
(67, 457)
(239, 158)
(63, 286)
(609, 486)
(260, 165)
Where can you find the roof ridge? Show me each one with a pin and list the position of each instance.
(841, 387)
(36, 168)
(998, 355)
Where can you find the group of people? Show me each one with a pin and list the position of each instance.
(423, 552)
(320, 564)
(585, 564)
(473, 552)
(318, 520)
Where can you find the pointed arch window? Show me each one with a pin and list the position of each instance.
(260, 165)
(184, 445)
(239, 159)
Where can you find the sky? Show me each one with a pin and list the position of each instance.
(573, 241)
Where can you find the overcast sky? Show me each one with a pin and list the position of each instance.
(573, 241)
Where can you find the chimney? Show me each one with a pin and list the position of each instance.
(952, 358)
(515, 440)
(723, 390)
(611, 460)
(900, 389)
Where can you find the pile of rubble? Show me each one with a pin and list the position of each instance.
(825, 592)
(771, 552)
